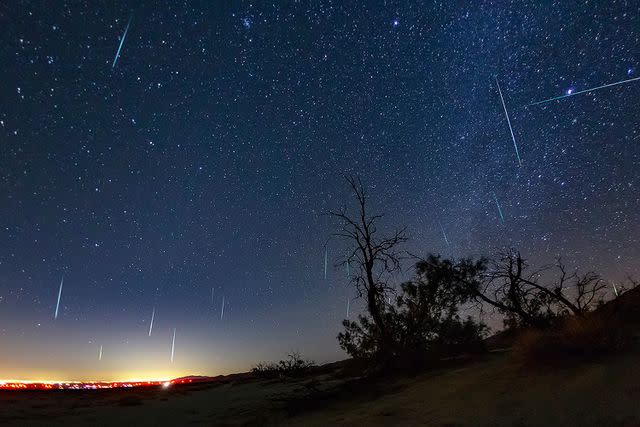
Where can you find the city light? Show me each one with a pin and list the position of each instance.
(91, 385)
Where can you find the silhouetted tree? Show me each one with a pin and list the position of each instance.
(509, 285)
(360, 339)
(539, 296)
(373, 258)
(427, 313)
(424, 322)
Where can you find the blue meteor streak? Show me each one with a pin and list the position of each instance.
(498, 206)
(584, 91)
(124, 35)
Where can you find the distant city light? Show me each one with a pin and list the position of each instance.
(88, 385)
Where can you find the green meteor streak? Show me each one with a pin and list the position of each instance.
(498, 206)
(584, 91)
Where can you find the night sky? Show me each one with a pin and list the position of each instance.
(197, 165)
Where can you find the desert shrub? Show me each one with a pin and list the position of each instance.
(293, 365)
(265, 370)
(576, 339)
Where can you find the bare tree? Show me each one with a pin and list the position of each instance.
(514, 289)
(374, 258)
(589, 288)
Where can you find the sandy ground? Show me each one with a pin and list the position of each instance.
(493, 391)
(498, 393)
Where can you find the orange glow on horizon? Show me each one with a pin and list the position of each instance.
(44, 377)
(122, 378)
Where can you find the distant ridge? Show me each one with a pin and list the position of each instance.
(195, 378)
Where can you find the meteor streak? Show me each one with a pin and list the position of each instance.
(498, 206)
(173, 344)
(100, 353)
(222, 309)
(124, 35)
(515, 145)
(348, 303)
(615, 290)
(55, 316)
(584, 91)
(444, 234)
(153, 314)
(326, 257)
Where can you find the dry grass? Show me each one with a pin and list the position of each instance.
(577, 339)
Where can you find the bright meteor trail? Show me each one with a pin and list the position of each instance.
(153, 314)
(124, 35)
(55, 316)
(515, 145)
(173, 344)
(444, 234)
(585, 91)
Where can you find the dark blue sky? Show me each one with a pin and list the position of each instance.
(205, 157)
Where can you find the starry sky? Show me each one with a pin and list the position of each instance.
(197, 165)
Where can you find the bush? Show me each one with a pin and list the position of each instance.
(265, 370)
(577, 339)
(293, 365)
(360, 339)
(423, 326)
